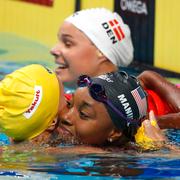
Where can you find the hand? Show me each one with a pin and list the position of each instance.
(152, 129)
(149, 135)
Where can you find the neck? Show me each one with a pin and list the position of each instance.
(106, 67)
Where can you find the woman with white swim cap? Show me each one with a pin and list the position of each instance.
(92, 42)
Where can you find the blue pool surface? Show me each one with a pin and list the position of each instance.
(36, 164)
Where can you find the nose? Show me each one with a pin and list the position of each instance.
(56, 50)
(67, 116)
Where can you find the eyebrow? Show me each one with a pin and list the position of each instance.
(86, 105)
(64, 36)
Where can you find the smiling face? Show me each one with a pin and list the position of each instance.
(74, 54)
(86, 119)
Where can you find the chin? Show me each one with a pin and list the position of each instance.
(66, 79)
(63, 77)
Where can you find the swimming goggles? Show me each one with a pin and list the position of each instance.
(98, 93)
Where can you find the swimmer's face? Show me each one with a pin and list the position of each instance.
(86, 119)
(74, 54)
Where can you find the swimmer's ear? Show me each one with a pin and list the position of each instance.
(53, 125)
(100, 55)
(114, 135)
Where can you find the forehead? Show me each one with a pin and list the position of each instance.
(69, 29)
(82, 94)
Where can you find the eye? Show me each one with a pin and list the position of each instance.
(83, 115)
(69, 103)
(67, 44)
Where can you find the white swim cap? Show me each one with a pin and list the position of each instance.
(107, 31)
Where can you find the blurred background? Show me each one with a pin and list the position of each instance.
(28, 30)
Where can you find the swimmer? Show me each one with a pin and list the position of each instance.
(109, 109)
(32, 98)
(88, 45)
(27, 103)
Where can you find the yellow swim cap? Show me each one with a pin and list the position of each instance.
(29, 100)
(142, 140)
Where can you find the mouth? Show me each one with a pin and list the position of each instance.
(64, 131)
(65, 136)
(62, 65)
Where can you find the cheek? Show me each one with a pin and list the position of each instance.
(85, 130)
(92, 133)
(83, 59)
(83, 54)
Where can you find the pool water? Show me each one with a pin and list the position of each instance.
(38, 164)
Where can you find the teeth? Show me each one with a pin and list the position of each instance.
(62, 66)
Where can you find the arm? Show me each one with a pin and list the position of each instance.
(169, 121)
(166, 90)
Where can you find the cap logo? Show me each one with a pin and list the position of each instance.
(35, 103)
(140, 98)
(126, 106)
(113, 30)
(105, 77)
(75, 14)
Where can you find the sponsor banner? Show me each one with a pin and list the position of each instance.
(35, 103)
(139, 15)
(40, 2)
